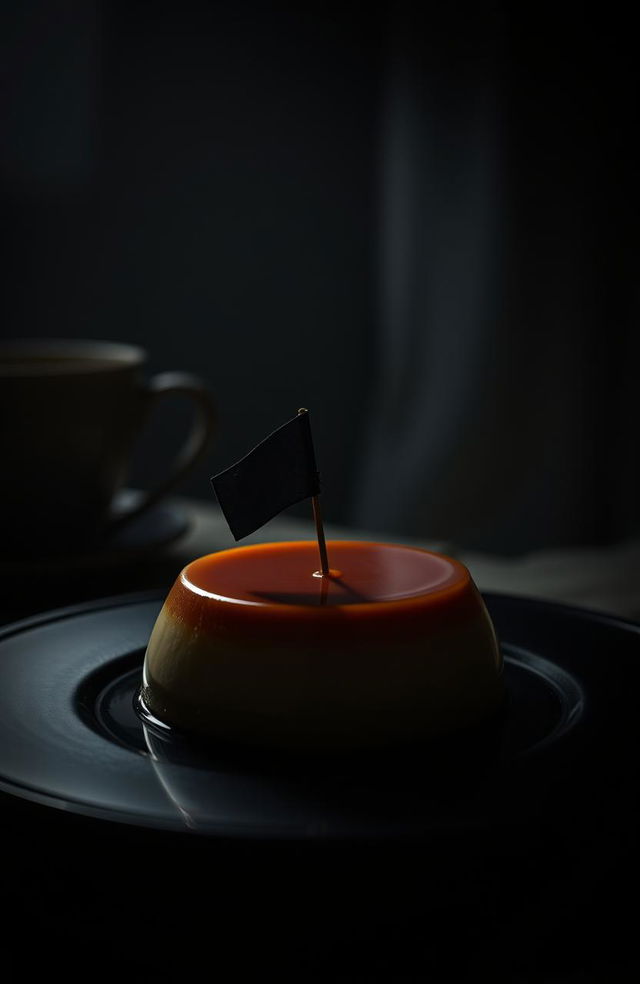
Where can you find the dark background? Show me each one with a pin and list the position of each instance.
(204, 179)
(197, 179)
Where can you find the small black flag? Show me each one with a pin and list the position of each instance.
(279, 472)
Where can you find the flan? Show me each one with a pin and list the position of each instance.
(255, 647)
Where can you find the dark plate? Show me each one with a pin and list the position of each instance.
(509, 854)
(70, 737)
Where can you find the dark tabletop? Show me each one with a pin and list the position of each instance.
(101, 896)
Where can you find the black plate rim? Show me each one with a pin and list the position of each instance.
(112, 814)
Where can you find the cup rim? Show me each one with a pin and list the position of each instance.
(104, 356)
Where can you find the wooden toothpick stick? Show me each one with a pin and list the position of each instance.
(322, 545)
(317, 515)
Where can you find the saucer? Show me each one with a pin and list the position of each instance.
(70, 738)
(132, 848)
(159, 526)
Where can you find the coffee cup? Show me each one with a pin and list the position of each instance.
(70, 414)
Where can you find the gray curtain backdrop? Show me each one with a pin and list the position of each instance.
(201, 179)
(504, 415)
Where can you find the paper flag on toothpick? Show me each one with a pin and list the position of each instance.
(277, 473)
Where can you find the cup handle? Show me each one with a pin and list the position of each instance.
(196, 443)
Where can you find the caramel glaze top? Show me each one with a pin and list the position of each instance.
(375, 591)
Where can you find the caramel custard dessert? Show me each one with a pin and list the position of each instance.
(254, 647)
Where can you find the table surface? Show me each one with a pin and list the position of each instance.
(604, 579)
